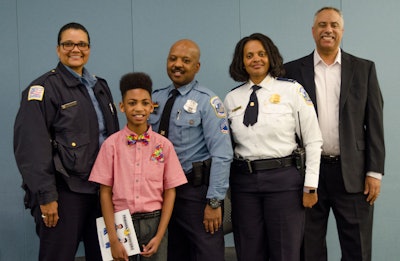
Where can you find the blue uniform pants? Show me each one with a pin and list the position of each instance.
(267, 214)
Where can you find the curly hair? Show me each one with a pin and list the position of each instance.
(135, 80)
(237, 70)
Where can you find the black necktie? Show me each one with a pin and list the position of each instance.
(164, 123)
(251, 113)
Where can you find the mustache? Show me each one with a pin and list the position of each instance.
(175, 69)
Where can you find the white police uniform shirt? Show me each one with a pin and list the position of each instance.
(282, 103)
(199, 131)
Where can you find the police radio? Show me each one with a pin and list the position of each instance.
(299, 153)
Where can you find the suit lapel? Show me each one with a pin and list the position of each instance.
(307, 74)
(346, 81)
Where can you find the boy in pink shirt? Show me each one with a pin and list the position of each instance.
(138, 169)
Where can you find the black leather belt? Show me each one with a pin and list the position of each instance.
(330, 159)
(137, 216)
(248, 166)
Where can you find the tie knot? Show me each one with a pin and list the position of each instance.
(132, 139)
(174, 92)
(255, 88)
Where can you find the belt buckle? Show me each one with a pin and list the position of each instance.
(330, 158)
(249, 166)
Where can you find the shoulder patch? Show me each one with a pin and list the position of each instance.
(36, 93)
(218, 107)
(224, 126)
(286, 79)
(305, 96)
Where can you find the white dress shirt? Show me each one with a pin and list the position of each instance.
(327, 85)
(273, 136)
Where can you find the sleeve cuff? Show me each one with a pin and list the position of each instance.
(374, 175)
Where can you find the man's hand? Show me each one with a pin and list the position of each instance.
(212, 219)
(50, 213)
(309, 199)
(372, 189)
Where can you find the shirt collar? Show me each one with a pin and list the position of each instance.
(87, 79)
(185, 88)
(318, 59)
(264, 83)
(127, 131)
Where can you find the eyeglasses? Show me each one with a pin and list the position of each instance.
(69, 46)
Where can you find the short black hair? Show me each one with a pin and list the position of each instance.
(135, 80)
(237, 70)
(72, 25)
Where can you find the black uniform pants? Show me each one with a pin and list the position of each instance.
(267, 214)
(78, 213)
(187, 238)
(353, 216)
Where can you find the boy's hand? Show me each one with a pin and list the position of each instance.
(118, 252)
(151, 248)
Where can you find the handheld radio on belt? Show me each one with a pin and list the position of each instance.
(299, 153)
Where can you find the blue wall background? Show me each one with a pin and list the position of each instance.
(136, 35)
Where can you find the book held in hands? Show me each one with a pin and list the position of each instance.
(125, 232)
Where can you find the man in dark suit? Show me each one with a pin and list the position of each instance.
(349, 103)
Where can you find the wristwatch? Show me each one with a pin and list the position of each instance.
(310, 191)
(214, 203)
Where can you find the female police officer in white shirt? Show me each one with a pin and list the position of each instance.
(268, 192)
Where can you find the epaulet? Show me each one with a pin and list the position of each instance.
(204, 90)
(160, 89)
(238, 86)
(286, 79)
(42, 79)
(99, 78)
(51, 73)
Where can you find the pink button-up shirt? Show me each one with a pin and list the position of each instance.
(138, 173)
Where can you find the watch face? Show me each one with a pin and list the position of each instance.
(310, 191)
(214, 203)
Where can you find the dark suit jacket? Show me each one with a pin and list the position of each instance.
(361, 136)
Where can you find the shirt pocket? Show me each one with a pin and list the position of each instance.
(155, 172)
(188, 127)
(74, 152)
(276, 116)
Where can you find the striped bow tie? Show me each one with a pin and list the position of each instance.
(132, 139)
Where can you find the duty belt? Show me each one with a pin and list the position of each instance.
(263, 164)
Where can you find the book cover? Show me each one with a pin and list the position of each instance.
(125, 232)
